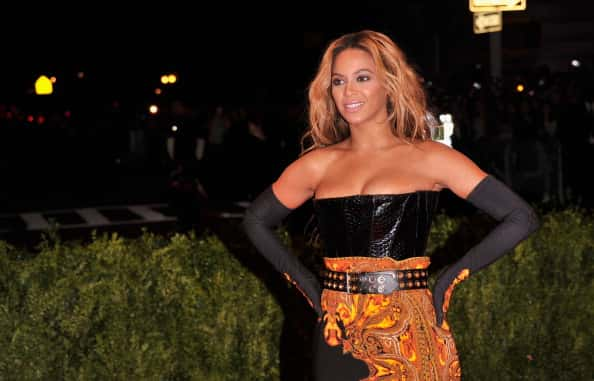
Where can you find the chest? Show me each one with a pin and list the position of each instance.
(374, 175)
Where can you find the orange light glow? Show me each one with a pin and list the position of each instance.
(158, 91)
(164, 79)
(153, 109)
(53, 79)
(520, 88)
(172, 78)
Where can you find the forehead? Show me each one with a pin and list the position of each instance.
(351, 60)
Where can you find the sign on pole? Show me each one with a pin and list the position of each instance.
(486, 22)
(496, 5)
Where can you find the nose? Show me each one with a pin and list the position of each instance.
(349, 88)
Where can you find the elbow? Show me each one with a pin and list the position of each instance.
(250, 224)
(533, 221)
(528, 219)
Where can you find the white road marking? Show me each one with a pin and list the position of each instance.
(35, 221)
(92, 216)
(147, 213)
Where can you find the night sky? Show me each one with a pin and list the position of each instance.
(227, 53)
(224, 52)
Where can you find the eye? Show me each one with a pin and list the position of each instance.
(363, 78)
(337, 82)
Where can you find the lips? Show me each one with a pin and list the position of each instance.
(353, 106)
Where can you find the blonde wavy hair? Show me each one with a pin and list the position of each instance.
(407, 105)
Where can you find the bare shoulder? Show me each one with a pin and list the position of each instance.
(314, 163)
(450, 168)
(299, 180)
(433, 147)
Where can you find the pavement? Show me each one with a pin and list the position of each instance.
(125, 202)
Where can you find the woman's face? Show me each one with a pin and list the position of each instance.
(357, 89)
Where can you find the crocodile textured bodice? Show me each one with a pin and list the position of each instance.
(387, 225)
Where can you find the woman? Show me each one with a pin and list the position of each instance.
(374, 176)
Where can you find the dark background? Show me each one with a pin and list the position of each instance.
(227, 51)
(238, 55)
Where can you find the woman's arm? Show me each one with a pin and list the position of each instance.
(295, 186)
(517, 219)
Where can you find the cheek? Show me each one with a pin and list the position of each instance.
(377, 92)
(380, 97)
(335, 94)
(336, 99)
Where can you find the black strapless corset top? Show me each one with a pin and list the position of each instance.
(381, 225)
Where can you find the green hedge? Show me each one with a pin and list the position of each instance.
(184, 308)
(149, 309)
(530, 316)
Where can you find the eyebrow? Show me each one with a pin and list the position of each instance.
(357, 72)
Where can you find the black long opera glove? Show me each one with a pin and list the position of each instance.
(263, 215)
(517, 221)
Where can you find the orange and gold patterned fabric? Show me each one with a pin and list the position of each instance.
(396, 334)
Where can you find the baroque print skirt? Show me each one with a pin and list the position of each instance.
(377, 337)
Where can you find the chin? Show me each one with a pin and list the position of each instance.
(353, 121)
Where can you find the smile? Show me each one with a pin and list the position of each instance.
(353, 106)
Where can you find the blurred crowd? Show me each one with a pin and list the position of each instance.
(535, 131)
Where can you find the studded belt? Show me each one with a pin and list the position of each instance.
(377, 282)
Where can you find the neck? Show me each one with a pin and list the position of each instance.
(373, 137)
